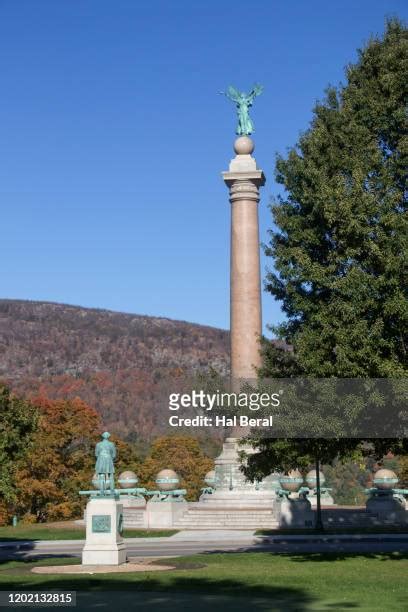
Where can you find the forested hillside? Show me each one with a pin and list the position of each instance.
(120, 364)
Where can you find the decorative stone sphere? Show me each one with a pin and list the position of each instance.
(167, 480)
(97, 483)
(385, 479)
(291, 481)
(127, 480)
(209, 478)
(311, 479)
(244, 145)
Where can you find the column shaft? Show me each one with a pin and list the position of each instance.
(245, 306)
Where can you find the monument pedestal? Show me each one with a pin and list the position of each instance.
(235, 503)
(104, 543)
(233, 490)
(294, 512)
(387, 507)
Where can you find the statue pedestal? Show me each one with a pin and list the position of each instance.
(104, 543)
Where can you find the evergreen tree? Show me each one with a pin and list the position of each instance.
(18, 422)
(340, 247)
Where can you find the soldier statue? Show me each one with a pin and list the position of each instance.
(105, 453)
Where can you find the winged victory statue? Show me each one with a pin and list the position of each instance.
(243, 102)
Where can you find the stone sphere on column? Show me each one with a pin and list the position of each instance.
(311, 479)
(127, 480)
(244, 145)
(167, 480)
(385, 479)
(292, 481)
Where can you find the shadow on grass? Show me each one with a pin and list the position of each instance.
(320, 556)
(199, 595)
(172, 590)
(178, 592)
(340, 556)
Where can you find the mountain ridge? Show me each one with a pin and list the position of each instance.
(119, 363)
(107, 310)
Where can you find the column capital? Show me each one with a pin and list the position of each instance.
(256, 176)
(244, 185)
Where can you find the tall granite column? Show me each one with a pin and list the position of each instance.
(244, 180)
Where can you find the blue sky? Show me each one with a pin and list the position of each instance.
(113, 138)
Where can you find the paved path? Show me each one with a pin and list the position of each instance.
(189, 543)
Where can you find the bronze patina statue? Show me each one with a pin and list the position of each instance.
(243, 103)
(105, 453)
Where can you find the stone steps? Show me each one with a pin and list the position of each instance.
(224, 521)
(219, 517)
(201, 518)
(226, 518)
(225, 525)
(213, 512)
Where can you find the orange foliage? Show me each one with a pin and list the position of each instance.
(182, 454)
(60, 462)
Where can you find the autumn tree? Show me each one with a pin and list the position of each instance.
(60, 461)
(182, 454)
(128, 456)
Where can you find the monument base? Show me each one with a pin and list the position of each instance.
(388, 507)
(235, 503)
(233, 490)
(104, 544)
(104, 556)
(294, 513)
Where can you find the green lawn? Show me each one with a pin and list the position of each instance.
(238, 581)
(46, 532)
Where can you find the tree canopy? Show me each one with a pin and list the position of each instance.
(60, 461)
(340, 238)
(339, 245)
(18, 422)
